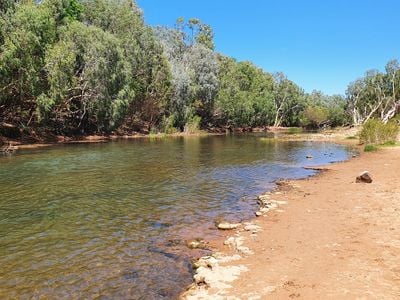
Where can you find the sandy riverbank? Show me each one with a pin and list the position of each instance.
(326, 238)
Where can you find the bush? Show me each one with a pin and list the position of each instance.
(193, 125)
(370, 148)
(167, 125)
(376, 132)
(314, 116)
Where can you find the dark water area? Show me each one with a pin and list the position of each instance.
(110, 220)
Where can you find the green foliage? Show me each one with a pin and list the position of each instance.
(74, 10)
(314, 116)
(245, 95)
(370, 148)
(294, 130)
(27, 34)
(353, 137)
(167, 125)
(193, 125)
(376, 132)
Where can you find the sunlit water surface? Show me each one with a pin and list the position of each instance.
(111, 219)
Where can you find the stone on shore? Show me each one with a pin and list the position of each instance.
(364, 177)
(197, 244)
(228, 226)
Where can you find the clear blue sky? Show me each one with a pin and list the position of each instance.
(320, 45)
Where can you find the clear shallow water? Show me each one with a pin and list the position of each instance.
(109, 220)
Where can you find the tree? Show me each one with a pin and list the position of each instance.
(375, 95)
(245, 96)
(146, 63)
(27, 34)
(87, 80)
(194, 70)
(288, 101)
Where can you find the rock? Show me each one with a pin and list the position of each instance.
(258, 214)
(199, 279)
(231, 241)
(252, 227)
(263, 198)
(205, 262)
(228, 226)
(364, 177)
(244, 250)
(197, 244)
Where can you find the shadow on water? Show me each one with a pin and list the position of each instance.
(111, 219)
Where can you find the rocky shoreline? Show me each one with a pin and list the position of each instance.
(327, 236)
(214, 271)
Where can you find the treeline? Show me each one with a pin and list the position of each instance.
(94, 66)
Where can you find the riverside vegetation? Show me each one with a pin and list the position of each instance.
(79, 67)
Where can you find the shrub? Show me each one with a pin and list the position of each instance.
(376, 132)
(193, 125)
(314, 116)
(370, 148)
(167, 125)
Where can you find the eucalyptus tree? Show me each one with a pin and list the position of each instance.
(194, 68)
(146, 63)
(289, 101)
(89, 90)
(375, 95)
(393, 104)
(245, 96)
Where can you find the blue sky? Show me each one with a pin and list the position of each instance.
(320, 45)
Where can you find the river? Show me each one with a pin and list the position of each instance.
(111, 220)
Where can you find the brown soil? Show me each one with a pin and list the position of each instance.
(335, 238)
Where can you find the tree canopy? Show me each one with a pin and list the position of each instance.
(94, 66)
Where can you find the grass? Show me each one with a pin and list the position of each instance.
(294, 130)
(375, 134)
(353, 137)
(192, 126)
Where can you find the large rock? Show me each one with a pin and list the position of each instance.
(364, 177)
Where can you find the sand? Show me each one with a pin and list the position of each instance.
(327, 238)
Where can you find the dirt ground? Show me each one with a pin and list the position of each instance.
(334, 239)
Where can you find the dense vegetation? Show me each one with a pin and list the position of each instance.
(376, 132)
(93, 66)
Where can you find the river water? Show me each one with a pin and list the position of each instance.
(110, 220)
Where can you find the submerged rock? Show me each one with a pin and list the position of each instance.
(364, 177)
